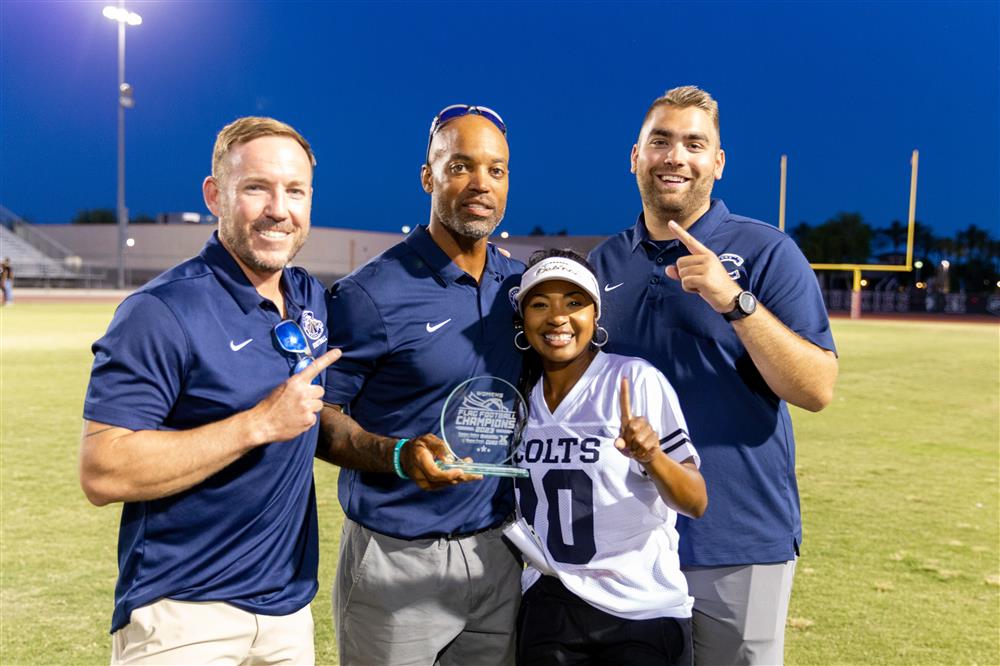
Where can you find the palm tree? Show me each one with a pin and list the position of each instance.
(993, 250)
(972, 242)
(803, 235)
(945, 248)
(895, 234)
(977, 251)
(924, 241)
(843, 239)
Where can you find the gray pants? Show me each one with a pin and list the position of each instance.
(739, 613)
(425, 601)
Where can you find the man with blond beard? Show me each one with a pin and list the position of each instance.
(201, 418)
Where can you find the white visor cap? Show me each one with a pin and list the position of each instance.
(558, 268)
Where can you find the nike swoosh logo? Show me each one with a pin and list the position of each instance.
(237, 347)
(431, 329)
(612, 287)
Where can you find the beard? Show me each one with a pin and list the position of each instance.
(675, 206)
(466, 227)
(238, 240)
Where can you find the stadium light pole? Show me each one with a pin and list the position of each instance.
(125, 101)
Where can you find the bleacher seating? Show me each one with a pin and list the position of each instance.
(28, 261)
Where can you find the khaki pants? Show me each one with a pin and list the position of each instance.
(451, 602)
(191, 632)
(739, 613)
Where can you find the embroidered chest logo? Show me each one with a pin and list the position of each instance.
(732, 263)
(313, 327)
(433, 327)
(512, 296)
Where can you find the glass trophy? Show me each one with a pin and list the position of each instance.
(482, 419)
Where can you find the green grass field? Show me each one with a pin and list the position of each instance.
(901, 562)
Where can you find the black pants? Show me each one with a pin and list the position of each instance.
(554, 626)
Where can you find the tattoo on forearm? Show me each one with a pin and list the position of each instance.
(343, 442)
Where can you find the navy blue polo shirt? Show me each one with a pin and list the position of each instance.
(192, 347)
(412, 326)
(742, 430)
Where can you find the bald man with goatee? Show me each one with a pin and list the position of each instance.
(424, 576)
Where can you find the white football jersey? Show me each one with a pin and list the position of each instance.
(597, 518)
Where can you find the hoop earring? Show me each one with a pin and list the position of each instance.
(603, 342)
(527, 346)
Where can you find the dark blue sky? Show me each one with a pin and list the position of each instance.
(847, 90)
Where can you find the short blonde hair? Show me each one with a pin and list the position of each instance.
(243, 130)
(684, 97)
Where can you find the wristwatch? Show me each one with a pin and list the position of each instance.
(745, 305)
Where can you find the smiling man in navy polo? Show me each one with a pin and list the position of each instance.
(729, 310)
(424, 577)
(197, 422)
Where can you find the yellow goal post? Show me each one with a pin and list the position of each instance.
(857, 269)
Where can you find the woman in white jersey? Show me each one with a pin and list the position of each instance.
(611, 464)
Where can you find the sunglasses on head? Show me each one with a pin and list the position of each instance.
(292, 339)
(449, 113)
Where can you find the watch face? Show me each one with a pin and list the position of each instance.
(747, 303)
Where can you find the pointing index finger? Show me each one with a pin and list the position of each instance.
(311, 371)
(625, 401)
(693, 245)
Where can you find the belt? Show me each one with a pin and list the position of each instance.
(465, 535)
(454, 536)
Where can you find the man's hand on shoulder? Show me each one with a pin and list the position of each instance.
(702, 273)
(502, 250)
